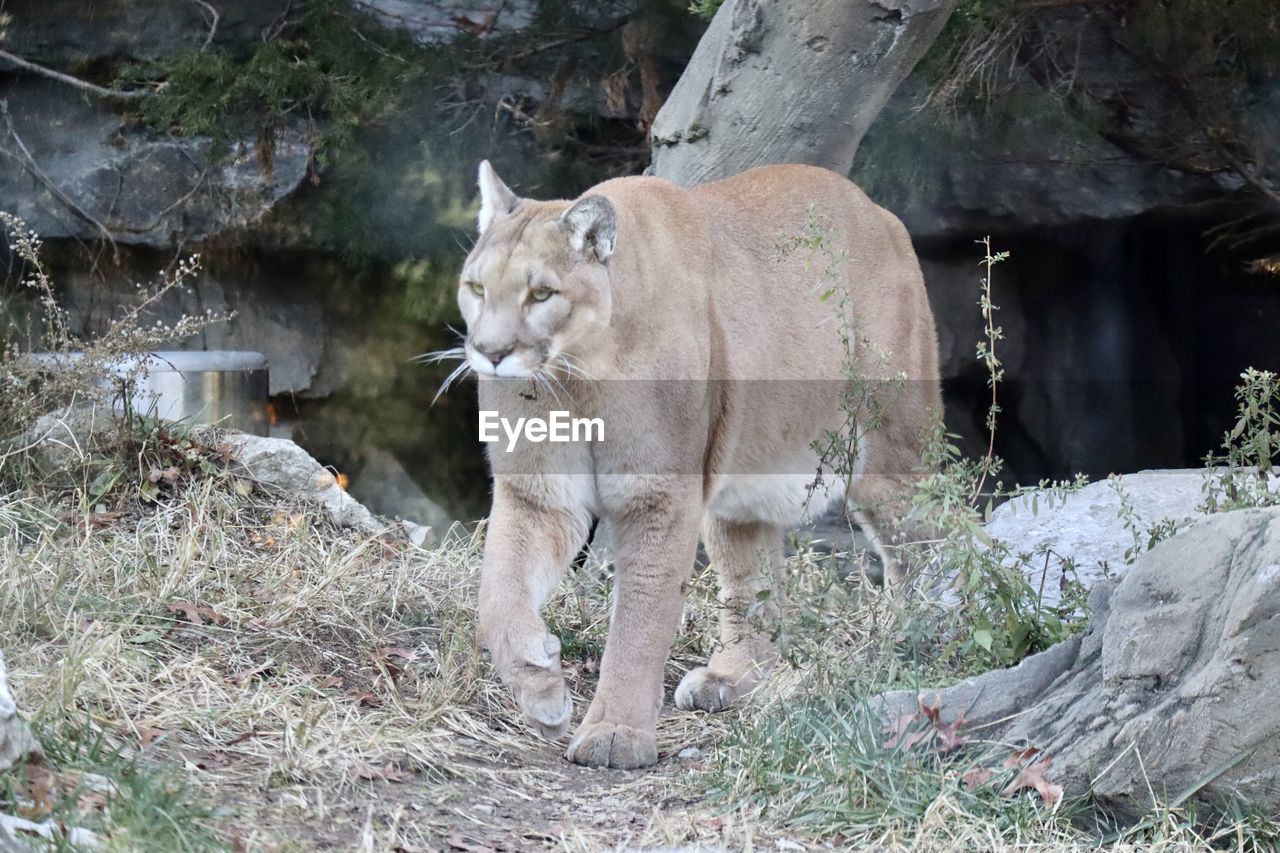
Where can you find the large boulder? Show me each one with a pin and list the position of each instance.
(87, 173)
(1170, 695)
(16, 742)
(1099, 530)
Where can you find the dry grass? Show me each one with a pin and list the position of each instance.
(294, 670)
(320, 688)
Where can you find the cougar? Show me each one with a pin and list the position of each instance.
(713, 347)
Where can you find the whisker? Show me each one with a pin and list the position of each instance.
(458, 372)
(560, 385)
(572, 369)
(440, 355)
(544, 379)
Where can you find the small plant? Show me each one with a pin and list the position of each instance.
(705, 9)
(74, 375)
(1245, 473)
(863, 365)
(1000, 617)
(88, 792)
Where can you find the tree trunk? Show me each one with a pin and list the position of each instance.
(789, 81)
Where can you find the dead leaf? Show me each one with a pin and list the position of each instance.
(458, 842)
(40, 787)
(1032, 776)
(476, 28)
(241, 738)
(329, 681)
(92, 801)
(949, 734)
(366, 700)
(896, 729)
(148, 736)
(169, 475)
(387, 652)
(194, 613)
(211, 759)
(976, 778)
(1022, 756)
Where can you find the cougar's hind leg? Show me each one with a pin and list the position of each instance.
(747, 557)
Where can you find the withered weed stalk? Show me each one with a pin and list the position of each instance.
(55, 375)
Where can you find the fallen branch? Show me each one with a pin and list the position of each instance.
(213, 18)
(76, 82)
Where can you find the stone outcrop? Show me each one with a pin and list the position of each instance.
(1082, 127)
(278, 463)
(16, 742)
(1171, 692)
(1100, 529)
(80, 173)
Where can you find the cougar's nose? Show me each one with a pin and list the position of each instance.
(495, 355)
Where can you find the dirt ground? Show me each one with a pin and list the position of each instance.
(510, 793)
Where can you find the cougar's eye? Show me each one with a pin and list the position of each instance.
(476, 287)
(541, 294)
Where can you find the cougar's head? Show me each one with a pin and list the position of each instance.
(535, 289)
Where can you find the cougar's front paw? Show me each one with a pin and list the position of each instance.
(606, 744)
(545, 700)
(531, 670)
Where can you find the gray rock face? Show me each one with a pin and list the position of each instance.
(1100, 529)
(16, 742)
(280, 322)
(142, 187)
(67, 33)
(1172, 690)
(440, 21)
(385, 487)
(1039, 164)
(437, 21)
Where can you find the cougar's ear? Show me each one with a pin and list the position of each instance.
(592, 226)
(496, 198)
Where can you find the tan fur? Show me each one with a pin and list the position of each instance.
(687, 287)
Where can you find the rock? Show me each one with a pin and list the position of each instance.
(16, 741)
(11, 825)
(831, 532)
(385, 487)
(70, 34)
(438, 21)
(62, 440)
(971, 168)
(143, 187)
(1099, 529)
(283, 322)
(1172, 689)
(278, 463)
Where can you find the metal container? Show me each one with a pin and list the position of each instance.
(224, 387)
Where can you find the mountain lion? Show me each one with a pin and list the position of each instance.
(697, 327)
